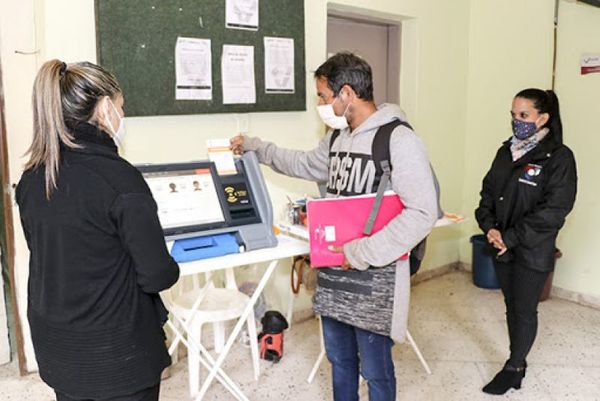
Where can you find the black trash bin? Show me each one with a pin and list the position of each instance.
(484, 274)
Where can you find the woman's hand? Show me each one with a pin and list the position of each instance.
(494, 237)
(237, 144)
(339, 249)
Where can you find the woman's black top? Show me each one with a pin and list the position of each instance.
(98, 261)
(527, 201)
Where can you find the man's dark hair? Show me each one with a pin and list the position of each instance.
(346, 68)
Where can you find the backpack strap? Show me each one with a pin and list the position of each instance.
(382, 159)
(385, 178)
(334, 136)
(380, 152)
(380, 149)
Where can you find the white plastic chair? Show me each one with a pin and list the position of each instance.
(193, 308)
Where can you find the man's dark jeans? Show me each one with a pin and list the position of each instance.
(350, 350)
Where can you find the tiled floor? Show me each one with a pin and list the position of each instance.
(460, 330)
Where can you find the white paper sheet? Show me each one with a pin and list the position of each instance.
(220, 154)
(193, 69)
(237, 74)
(241, 14)
(279, 65)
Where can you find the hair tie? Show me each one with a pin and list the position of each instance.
(63, 69)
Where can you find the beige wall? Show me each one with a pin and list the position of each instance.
(579, 33)
(17, 33)
(504, 59)
(462, 61)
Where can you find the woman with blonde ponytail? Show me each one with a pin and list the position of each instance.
(98, 258)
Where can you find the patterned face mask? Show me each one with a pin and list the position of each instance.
(523, 129)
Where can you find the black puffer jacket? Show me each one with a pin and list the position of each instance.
(528, 200)
(98, 260)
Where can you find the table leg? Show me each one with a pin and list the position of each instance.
(238, 327)
(208, 363)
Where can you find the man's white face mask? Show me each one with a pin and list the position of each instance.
(119, 133)
(329, 117)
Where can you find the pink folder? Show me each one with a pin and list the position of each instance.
(336, 221)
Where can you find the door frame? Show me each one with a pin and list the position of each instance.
(9, 232)
(393, 33)
(407, 44)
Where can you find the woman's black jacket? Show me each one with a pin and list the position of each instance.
(528, 200)
(97, 263)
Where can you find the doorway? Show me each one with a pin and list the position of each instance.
(6, 324)
(375, 41)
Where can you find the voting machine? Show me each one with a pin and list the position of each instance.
(207, 214)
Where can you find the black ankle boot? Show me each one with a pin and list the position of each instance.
(509, 377)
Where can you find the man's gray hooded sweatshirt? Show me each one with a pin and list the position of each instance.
(368, 297)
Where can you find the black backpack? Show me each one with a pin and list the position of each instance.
(380, 151)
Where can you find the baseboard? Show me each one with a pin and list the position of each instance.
(577, 297)
(557, 292)
(429, 274)
(302, 315)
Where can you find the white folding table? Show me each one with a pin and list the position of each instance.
(287, 247)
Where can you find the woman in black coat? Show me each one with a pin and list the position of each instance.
(98, 257)
(525, 198)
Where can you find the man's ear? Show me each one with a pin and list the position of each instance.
(349, 91)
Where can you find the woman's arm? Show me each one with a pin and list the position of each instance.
(142, 237)
(485, 214)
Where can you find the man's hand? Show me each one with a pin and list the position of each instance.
(494, 237)
(339, 249)
(237, 144)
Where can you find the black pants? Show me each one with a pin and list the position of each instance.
(149, 394)
(521, 288)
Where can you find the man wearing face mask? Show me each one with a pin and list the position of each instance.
(364, 302)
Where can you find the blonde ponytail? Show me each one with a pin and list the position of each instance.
(48, 123)
(63, 96)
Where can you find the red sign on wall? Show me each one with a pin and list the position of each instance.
(590, 63)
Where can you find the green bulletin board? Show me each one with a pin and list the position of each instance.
(136, 41)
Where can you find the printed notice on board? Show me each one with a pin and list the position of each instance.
(193, 69)
(279, 65)
(241, 14)
(237, 74)
(590, 63)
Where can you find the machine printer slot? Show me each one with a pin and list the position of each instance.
(242, 214)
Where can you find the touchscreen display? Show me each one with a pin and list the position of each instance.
(185, 197)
